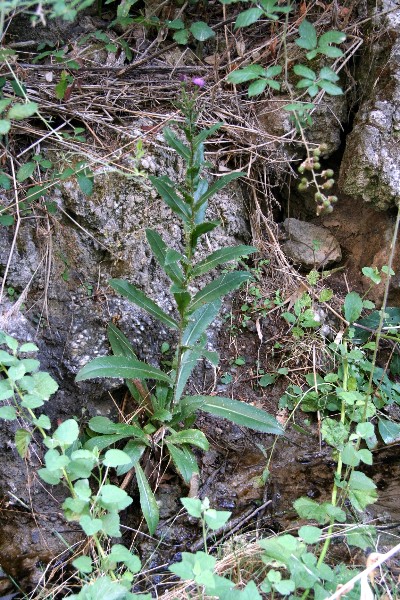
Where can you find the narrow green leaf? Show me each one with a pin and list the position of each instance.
(199, 321)
(148, 502)
(217, 186)
(184, 461)
(205, 133)
(188, 362)
(200, 230)
(218, 288)
(237, 412)
(220, 257)
(120, 366)
(120, 344)
(160, 249)
(171, 198)
(176, 143)
(140, 299)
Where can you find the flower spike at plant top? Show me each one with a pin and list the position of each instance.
(164, 404)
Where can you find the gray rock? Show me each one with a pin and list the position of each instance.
(371, 163)
(309, 245)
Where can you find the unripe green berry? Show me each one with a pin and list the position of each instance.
(301, 169)
(333, 199)
(329, 209)
(328, 184)
(317, 166)
(323, 147)
(319, 197)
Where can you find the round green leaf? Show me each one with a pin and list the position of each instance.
(201, 31)
(116, 458)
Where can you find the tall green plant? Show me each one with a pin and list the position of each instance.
(168, 410)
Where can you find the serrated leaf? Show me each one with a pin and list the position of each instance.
(248, 17)
(120, 553)
(308, 35)
(246, 74)
(140, 299)
(181, 36)
(148, 502)
(304, 71)
(120, 366)
(330, 88)
(90, 526)
(221, 256)
(218, 288)
(332, 37)
(22, 111)
(329, 51)
(237, 412)
(201, 31)
(22, 440)
(257, 87)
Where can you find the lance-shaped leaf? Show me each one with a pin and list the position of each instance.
(218, 288)
(160, 249)
(237, 412)
(120, 366)
(184, 461)
(148, 502)
(188, 362)
(121, 346)
(217, 186)
(171, 198)
(140, 299)
(220, 257)
(205, 133)
(199, 321)
(176, 143)
(200, 230)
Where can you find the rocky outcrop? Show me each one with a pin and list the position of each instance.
(371, 163)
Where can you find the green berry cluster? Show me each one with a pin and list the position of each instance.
(312, 164)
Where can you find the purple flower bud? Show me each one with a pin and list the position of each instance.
(199, 81)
